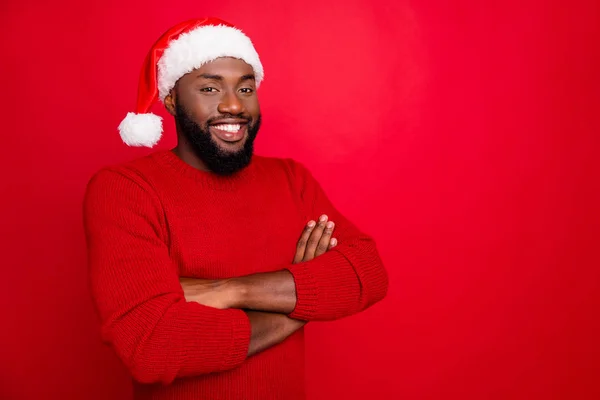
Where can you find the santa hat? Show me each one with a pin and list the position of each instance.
(180, 50)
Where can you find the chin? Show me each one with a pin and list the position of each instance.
(230, 147)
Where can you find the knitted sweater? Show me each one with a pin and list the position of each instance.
(156, 218)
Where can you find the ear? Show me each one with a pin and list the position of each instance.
(170, 102)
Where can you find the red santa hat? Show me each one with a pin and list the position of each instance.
(180, 50)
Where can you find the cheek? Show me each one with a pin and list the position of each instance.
(253, 107)
(201, 110)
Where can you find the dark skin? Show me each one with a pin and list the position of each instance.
(266, 297)
(269, 291)
(224, 91)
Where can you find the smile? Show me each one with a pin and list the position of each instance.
(232, 128)
(229, 132)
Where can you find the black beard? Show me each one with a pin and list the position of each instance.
(216, 160)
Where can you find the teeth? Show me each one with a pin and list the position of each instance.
(229, 127)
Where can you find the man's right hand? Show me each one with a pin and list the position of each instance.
(315, 240)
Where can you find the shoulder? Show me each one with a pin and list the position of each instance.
(122, 179)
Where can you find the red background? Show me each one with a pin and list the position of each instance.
(462, 135)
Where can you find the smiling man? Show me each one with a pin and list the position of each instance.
(207, 261)
(222, 139)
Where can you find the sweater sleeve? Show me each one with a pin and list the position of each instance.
(348, 278)
(157, 334)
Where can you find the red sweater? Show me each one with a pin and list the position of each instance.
(153, 219)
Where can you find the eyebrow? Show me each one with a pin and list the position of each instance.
(215, 77)
(211, 76)
(248, 77)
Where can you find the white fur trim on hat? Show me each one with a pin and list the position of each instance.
(193, 49)
(141, 129)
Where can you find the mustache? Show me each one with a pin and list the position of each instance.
(215, 120)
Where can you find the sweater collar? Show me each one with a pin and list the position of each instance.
(206, 178)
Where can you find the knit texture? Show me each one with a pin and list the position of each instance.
(156, 218)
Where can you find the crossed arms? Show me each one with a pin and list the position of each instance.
(268, 298)
(163, 328)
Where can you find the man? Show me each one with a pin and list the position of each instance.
(205, 261)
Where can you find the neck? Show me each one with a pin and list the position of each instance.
(183, 151)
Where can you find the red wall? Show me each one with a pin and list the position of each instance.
(462, 135)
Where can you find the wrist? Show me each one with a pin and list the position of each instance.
(267, 291)
(295, 323)
(238, 293)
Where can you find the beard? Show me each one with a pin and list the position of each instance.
(217, 160)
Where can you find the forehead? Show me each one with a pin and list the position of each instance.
(227, 67)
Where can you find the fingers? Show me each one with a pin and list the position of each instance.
(332, 243)
(325, 241)
(314, 239)
(303, 241)
(318, 245)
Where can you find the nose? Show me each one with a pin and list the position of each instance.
(231, 104)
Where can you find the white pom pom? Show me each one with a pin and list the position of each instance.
(141, 129)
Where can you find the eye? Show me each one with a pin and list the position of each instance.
(208, 90)
(246, 90)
